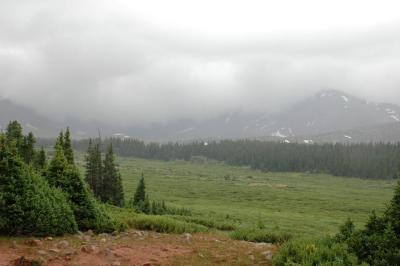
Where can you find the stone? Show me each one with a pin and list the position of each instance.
(115, 233)
(188, 237)
(86, 238)
(54, 251)
(33, 242)
(42, 253)
(268, 255)
(103, 235)
(13, 244)
(88, 248)
(62, 244)
(252, 258)
(146, 264)
(116, 263)
(89, 232)
(49, 238)
(69, 252)
(103, 240)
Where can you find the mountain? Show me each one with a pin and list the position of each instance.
(30, 120)
(329, 111)
(328, 116)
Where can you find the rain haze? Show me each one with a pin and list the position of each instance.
(139, 62)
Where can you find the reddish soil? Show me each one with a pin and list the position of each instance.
(135, 248)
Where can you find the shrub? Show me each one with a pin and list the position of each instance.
(210, 223)
(89, 214)
(322, 252)
(259, 235)
(163, 224)
(27, 204)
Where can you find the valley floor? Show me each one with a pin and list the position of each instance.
(134, 247)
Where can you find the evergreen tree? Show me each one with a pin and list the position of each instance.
(40, 160)
(27, 204)
(392, 213)
(28, 148)
(14, 138)
(94, 169)
(60, 140)
(140, 194)
(66, 176)
(112, 191)
(67, 146)
(58, 164)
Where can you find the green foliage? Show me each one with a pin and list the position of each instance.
(88, 213)
(140, 194)
(324, 252)
(67, 147)
(14, 137)
(40, 162)
(94, 169)
(27, 204)
(140, 200)
(223, 225)
(28, 148)
(379, 242)
(112, 184)
(160, 208)
(260, 235)
(163, 224)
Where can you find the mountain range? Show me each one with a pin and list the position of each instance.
(328, 116)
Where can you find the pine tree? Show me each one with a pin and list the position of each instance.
(60, 139)
(140, 194)
(112, 191)
(58, 164)
(28, 205)
(67, 146)
(94, 169)
(66, 177)
(40, 160)
(14, 138)
(392, 213)
(28, 148)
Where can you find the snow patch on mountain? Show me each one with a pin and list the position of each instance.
(278, 134)
(186, 130)
(345, 98)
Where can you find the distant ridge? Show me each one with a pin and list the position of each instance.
(327, 116)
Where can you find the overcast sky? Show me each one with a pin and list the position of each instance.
(150, 61)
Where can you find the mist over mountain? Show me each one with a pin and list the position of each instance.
(328, 116)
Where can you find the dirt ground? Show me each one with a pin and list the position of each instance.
(134, 248)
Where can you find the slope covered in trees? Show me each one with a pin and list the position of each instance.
(378, 160)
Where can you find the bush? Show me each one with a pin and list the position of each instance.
(259, 235)
(210, 223)
(322, 252)
(163, 224)
(89, 214)
(27, 204)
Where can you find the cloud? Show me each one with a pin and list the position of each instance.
(127, 62)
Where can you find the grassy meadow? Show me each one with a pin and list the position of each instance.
(306, 205)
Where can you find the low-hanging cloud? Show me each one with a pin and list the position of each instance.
(97, 61)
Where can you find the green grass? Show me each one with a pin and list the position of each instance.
(300, 204)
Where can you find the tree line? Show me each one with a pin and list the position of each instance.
(364, 160)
